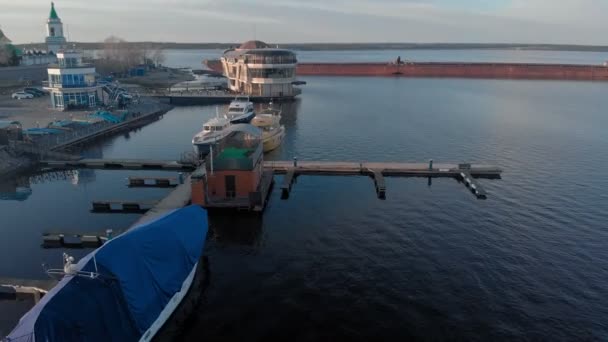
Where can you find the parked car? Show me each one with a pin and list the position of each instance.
(35, 91)
(22, 95)
(32, 92)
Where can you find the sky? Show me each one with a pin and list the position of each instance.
(301, 21)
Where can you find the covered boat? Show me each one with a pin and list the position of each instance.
(127, 289)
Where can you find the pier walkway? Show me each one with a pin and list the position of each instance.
(377, 171)
(467, 173)
(191, 99)
(122, 164)
(387, 169)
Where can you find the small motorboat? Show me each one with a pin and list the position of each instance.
(213, 132)
(129, 289)
(240, 110)
(269, 121)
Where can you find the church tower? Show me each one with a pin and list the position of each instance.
(55, 40)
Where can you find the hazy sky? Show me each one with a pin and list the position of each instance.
(282, 21)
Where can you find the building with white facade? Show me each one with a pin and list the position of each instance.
(72, 83)
(256, 69)
(37, 57)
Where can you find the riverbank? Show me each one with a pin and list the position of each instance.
(159, 79)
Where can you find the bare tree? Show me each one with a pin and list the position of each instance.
(4, 56)
(119, 56)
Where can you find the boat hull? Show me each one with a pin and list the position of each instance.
(175, 324)
(273, 140)
(243, 119)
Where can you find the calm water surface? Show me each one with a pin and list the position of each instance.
(193, 58)
(431, 261)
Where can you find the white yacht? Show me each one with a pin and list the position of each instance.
(269, 121)
(240, 110)
(213, 131)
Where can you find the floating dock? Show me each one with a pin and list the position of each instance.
(152, 182)
(377, 171)
(77, 240)
(191, 99)
(121, 164)
(128, 207)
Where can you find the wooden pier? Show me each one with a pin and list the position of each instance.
(77, 240)
(377, 171)
(129, 207)
(153, 182)
(190, 99)
(16, 293)
(121, 164)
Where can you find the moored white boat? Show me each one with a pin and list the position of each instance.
(269, 121)
(214, 130)
(240, 110)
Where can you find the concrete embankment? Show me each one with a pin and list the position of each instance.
(22, 155)
(448, 69)
(459, 70)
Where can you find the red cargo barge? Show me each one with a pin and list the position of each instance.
(448, 69)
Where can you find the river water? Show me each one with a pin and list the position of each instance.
(430, 262)
(193, 58)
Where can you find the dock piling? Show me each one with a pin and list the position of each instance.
(379, 184)
(287, 182)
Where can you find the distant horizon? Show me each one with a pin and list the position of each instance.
(359, 45)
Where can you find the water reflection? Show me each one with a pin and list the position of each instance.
(19, 188)
(16, 189)
(236, 230)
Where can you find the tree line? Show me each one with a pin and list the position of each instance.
(118, 56)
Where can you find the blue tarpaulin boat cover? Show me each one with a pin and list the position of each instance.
(140, 271)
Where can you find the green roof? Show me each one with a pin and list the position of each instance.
(53, 14)
(232, 152)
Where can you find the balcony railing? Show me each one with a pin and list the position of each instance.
(81, 65)
(270, 59)
(60, 85)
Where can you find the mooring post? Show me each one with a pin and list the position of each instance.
(431, 165)
(180, 178)
(295, 162)
(109, 234)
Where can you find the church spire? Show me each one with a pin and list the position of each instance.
(53, 14)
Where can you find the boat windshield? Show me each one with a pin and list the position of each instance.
(235, 110)
(212, 128)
